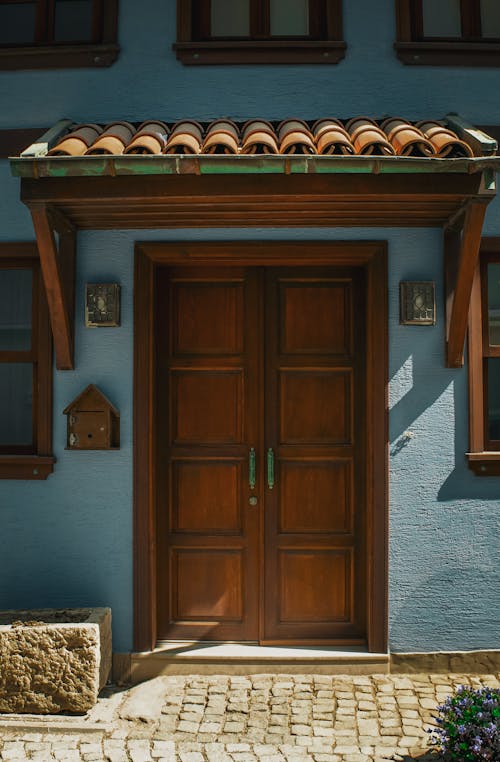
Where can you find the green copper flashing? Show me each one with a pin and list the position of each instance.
(95, 166)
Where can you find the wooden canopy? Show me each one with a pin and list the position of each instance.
(67, 194)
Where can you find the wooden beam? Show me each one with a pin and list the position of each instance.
(460, 261)
(56, 278)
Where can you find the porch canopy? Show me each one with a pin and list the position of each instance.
(328, 173)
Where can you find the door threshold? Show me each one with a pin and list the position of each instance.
(212, 658)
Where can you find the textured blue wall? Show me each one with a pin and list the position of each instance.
(68, 541)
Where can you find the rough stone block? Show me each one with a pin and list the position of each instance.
(53, 660)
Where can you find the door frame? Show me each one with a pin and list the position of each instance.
(372, 256)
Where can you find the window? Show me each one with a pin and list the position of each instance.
(449, 32)
(37, 34)
(484, 362)
(259, 31)
(25, 366)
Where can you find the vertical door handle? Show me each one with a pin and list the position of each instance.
(251, 468)
(270, 468)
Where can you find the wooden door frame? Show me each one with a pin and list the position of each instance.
(372, 256)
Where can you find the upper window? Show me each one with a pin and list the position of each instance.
(57, 33)
(259, 31)
(449, 32)
(25, 367)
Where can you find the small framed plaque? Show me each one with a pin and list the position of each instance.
(102, 305)
(417, 300)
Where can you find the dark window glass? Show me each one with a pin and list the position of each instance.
(15, 309)
(16, 416)
(494, 398)
(230, 19)
(73, 21)
(494, 304)
(17, 23)
(441, 19)
(289, 18)
(490, 18)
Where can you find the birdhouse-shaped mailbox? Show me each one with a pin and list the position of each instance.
(93, 422)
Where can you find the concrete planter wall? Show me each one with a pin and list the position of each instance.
(53, 660)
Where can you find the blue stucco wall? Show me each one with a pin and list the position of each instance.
(68, 541)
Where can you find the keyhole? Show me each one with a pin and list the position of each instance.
(89, 436)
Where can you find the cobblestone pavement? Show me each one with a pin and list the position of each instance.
(260, 718)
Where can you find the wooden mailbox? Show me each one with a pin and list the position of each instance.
(93, 422)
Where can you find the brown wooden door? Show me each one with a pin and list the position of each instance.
(270, 359)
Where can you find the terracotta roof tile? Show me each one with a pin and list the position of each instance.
(360, 136)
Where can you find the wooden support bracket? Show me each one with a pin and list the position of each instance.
(57, 263)
(461, 256)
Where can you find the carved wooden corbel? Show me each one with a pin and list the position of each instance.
(57, 262)
(461, 249)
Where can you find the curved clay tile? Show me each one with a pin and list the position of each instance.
(186, 137)
(258, 136)
(445, 142)
(368, 139)
(406, 139)
(113, 140)
(295, 137)
(77, 141)
(331, 138)
(150, 138)
(222, 137)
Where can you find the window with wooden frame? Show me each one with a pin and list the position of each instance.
(259, 31)
(25, 366)
(484, 362)
(46, 34)
(448, 32)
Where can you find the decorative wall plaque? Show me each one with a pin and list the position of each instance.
(102, 305)
(417, 303)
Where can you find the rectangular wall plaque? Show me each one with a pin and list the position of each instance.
(417, 302)
(102, 305)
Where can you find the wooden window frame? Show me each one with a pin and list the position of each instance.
(471, 50)
(324, 46)
(484, 455)
(35, 461)
(44, 53)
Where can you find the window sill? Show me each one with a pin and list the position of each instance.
(26, 466)
(449, 53)
(260, 52)
(484, 463)
(58, 56)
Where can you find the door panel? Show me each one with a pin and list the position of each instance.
(261, 358)
(314, 518)
(209, 387)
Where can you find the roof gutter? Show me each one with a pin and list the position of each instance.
(96, 166)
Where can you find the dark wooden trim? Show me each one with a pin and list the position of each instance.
(449, 53)
(26, 467)
(57, 279)
(262, 51)
(145, 620)
(458, 306)
(12, 142)
(59, 57)
(372, 256)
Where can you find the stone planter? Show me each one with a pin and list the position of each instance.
(53, 660)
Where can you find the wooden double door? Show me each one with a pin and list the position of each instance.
(261, 483)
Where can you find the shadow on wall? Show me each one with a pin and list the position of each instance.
(418, 379)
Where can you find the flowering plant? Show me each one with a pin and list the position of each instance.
(469, 725)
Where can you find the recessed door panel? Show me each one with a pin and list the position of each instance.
(327, 329)
(208, 585)
(206, 496)
(207, 406)
(208, 318)
(315, 586)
